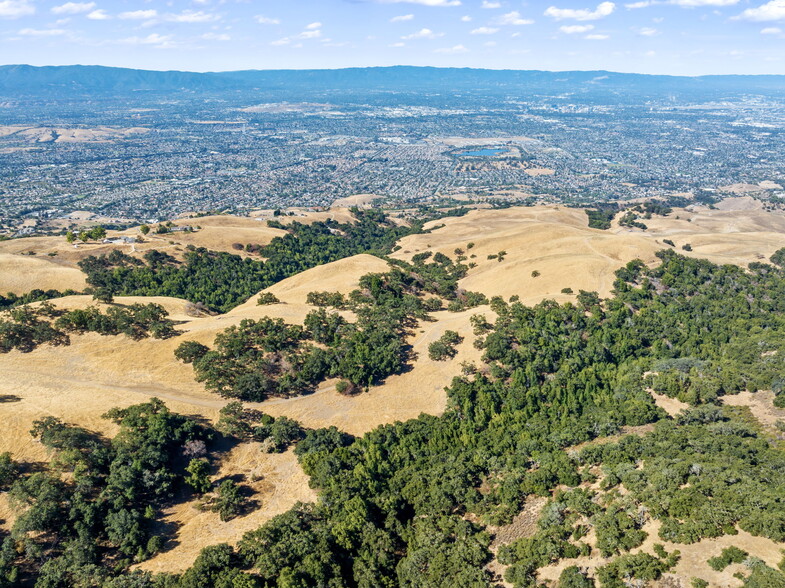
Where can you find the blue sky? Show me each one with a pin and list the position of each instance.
(686, 37)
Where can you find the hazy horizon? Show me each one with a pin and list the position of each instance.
(662, 37)
(395, 65)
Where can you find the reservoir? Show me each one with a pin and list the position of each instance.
(485, 152)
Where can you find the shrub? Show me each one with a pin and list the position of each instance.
(572, 577)
(334, 299)
(229, 501)
(729, 555)
(9, 470)
(267, 298)
(444, 347)
(778, 258)
(190, 351)
(347, 388)
(198, 476)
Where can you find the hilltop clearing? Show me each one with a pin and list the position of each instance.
(340, 213)
(556, 243)
(217, 233)
(35, 134)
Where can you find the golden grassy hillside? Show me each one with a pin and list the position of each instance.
(80, 382)
(218, 233)
(557, 243)
(54, 263)
(22, 273)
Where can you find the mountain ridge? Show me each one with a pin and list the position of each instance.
(21, 80)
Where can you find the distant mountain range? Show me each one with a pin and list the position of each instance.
(76, 80)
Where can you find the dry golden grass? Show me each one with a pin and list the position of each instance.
(33, 134)
(672, 406)
(22, 273)
(401, 397)
(218, 233)
(761, 405)
(339, 276)
(361, 200)
(338, 214)
(553, 241)
(80, 382)
(277, 483)
(693, 558)
(557, 243)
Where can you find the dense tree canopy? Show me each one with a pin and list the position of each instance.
(223, 280)
(26, 327)
(263, 358)
(408, 503)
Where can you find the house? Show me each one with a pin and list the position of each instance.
(122, 240)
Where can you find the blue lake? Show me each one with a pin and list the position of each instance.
(490, 152)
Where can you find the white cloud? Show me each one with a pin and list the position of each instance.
(99, 14)
(513, 18)
(216, 37)
(151, 39)
(491, 4)
(466, 18)
(452, 50)
(682, 3)
(398, 44)
(648, 32)
(774, 10)
(309, 35)
(16, 8)
(266, 20)
(692, 3)
(313, 26)
(138, 15)
(439, 3)
(597, 37)
(484, 31)
(42, 32)
(402, 18)
(306, 34)
(423, 34)
(576, 29)
(73, 8)
(771, 31)
(189, 16)
(603, 9)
